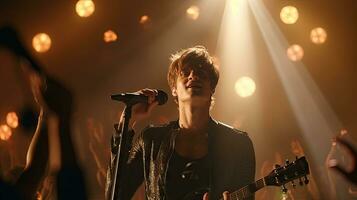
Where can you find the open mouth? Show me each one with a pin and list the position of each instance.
(195, 86)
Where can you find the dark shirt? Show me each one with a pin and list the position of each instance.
(186, 176)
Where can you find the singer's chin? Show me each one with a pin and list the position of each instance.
(196, 93)
(199, 96)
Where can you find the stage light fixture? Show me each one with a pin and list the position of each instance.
(5, 132)
(85, 8)
(110, 36)
(318, 35)
(12, 120)
(289, 15)
(193, 12)
(295, 52)
(41, 42)
(245, 86)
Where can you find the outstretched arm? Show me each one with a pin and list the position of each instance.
(53, 97)
(59, 100)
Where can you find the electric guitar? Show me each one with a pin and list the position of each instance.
(298, 169)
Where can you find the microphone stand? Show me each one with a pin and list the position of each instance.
(121, 156)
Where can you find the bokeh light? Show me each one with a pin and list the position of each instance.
(85, 8)
(343, 132)
(245, 86)
(144, 19)
(289, 14)
(193, 12)
(110, 36)
(5, 132)
(318, 35)
(295, 52)
(284, 196)
(12, 120)
(41, 42)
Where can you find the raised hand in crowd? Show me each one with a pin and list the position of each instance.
(56, 108)
(57, 101)
(351, 174)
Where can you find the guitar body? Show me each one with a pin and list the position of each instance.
(196, 195)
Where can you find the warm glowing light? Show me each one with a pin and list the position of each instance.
(295, 52)
(41, 42)
(318, 35)
(85, 8)
(217, 62)
(234, 4)
(343, 131)
(334, 143)
(284, 196)
(5, 132)
(238, 122)
(289, 15)
(110, 36)
(12, 120)
(245, 87)
(144, 19)
(163, 120)
(193, 12)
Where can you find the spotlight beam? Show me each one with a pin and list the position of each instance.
(316, 119)
(238, 59)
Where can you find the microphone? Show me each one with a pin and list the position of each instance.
(135, 97)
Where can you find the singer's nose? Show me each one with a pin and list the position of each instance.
(193, 75)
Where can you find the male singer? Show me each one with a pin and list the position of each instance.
(190, 156)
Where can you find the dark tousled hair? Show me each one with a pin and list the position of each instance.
(193, 56)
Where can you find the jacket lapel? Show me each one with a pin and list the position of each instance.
(221, 159)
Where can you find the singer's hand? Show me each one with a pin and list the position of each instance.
(143, 110)
(50, 94)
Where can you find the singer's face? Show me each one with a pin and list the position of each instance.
(193, 85)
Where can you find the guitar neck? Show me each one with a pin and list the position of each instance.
(247, 191)
(281, 175)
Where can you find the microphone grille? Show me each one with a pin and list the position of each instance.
(161, 97)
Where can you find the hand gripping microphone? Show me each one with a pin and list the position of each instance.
(135, 97)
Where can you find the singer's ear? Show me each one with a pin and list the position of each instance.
(174, 92)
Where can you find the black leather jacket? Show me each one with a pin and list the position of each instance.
(230, 151)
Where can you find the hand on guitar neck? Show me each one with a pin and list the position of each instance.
(224, 195)
(281, 175)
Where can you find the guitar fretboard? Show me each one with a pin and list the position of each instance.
(278, 177)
